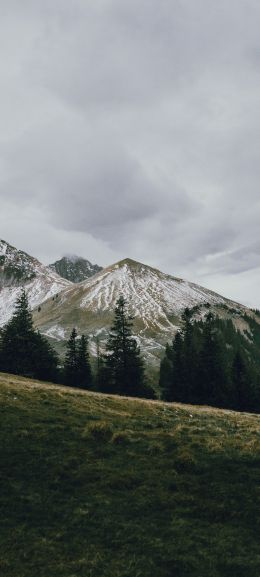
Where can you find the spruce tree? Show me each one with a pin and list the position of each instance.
(124, 370)
(70, 365)
(241, 380)
(213, 370)
(23, 350)
(166, 370)
(187, 371)
(83, 368)
(179, 377)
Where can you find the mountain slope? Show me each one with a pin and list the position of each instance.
(96, 485)
(75, 268)
(156, 300)
(17, 270)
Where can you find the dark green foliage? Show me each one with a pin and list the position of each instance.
(70, 365)
(165, 381)
(123, 372)
(212, 363)
(23, 350)
(212, 370)
(77, 370)
(241, 376)
(83, 364)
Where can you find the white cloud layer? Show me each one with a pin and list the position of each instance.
(132, 129)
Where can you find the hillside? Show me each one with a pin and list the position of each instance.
(102, 486)
(155, 299)
(17, 270)
(74, 268)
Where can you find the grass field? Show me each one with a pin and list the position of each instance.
(102, 486)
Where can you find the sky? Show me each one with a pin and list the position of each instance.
(132, 129)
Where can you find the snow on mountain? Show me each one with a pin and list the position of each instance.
(74, 268)
(17, 270)
(156, 300)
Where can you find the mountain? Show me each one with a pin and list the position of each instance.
(75, 268)
(155, 299)
(17, 270)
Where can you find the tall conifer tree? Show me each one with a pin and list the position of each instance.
(124, 368)
(24, 350)
(70, 365)
(84, 375)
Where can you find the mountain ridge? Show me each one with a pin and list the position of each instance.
(155, 299)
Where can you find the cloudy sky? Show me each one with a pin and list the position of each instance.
(131, 128)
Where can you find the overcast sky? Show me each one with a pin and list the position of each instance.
(131, 128)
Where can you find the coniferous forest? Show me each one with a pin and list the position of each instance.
(209, 362)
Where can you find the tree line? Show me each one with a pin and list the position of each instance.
(210, 362)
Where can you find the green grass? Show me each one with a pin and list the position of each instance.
(102, 486)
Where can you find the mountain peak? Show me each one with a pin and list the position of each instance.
(16, 266)
(134, 266)
(74, 268)
(129, 262)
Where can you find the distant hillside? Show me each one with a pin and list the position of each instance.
(75, 268)
(106, 486)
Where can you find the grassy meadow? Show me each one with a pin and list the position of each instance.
(96, 485)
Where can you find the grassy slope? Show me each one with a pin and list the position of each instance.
(100, 486)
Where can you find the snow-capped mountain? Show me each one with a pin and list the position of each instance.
(155, 299)
(75, 268)
(17, 270)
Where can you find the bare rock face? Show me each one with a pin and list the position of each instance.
(74, 268)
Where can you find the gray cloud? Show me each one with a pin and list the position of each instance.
(130, 128)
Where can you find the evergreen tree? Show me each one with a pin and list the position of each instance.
(212, 363)
(165, 379)
(77, 370)
(172, 371)
(213, 369)
(45, 359)
(84, 375)
(179, 376)
(23, 350)
(124, 370)
(70, 365)
(186, 367)
(241, 380)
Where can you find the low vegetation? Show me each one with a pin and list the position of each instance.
(96, 485)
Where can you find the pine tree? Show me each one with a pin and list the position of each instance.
(83, 368)
(70, 365)
(124, 370)
(23, 350)
(187, 370)
(178, 391)
(241, 380)
(166, 371)
(213, 369)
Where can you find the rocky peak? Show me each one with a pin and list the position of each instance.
(74, 268)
